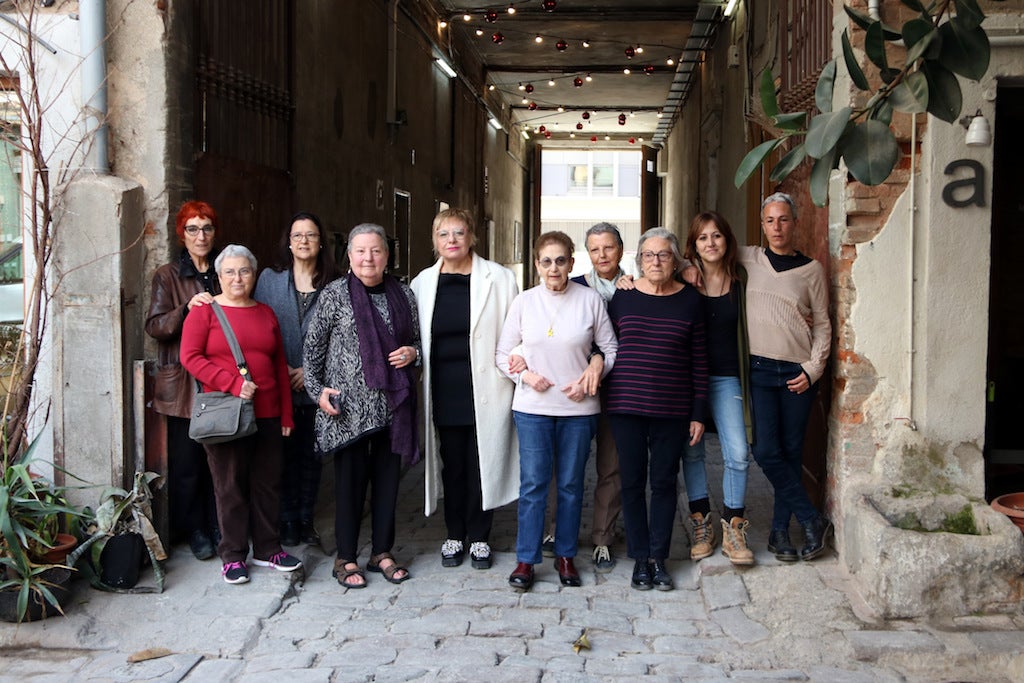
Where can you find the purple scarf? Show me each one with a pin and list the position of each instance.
(376, 341)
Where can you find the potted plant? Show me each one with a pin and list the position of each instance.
(119, 533)
(33, 512)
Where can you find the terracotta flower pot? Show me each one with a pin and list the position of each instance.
(65, 543)
(1011, 505)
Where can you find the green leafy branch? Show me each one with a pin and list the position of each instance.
(944, 40)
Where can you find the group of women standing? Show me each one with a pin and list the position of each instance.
(331, 366)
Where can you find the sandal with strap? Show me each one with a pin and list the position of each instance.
(389, 571)
(342, 574)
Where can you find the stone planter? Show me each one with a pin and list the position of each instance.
(908, 572)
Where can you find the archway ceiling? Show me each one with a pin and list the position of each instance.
(665, 29)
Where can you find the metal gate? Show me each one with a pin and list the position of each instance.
(243, 118)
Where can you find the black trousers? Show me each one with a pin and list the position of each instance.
(190, 487)
(366, 462)
(460, 473)
(300, 469)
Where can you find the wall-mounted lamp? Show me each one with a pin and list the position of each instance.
(730, 7)
(979, 133)
(446, 67)
(495, 123)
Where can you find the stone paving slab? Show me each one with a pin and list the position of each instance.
(871, 645)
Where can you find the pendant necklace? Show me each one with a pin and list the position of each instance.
(554, 316)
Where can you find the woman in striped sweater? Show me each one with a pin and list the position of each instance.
(658, 387)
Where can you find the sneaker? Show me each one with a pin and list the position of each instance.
(282, 562)
(734, 541)
(452, 552)
(547, 547)
(235, 572)
(703, 536)
(603, 560)
(201, 546)
(480, 555)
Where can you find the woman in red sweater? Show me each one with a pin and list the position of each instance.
(246, 472)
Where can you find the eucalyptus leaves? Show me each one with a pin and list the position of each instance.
(945, 40)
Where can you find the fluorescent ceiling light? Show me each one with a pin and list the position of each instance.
(495, 123)
(730, 7)
(445, 67)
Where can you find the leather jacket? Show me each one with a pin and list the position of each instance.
(174, 284)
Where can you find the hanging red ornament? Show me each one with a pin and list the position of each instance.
(549, 5)
(578, 82)
(579, 126)
(632, 141)
(490, 16)
(561, 45)
(547, 135)
(630, 51)
(593, 138)
(497, 38)
(543, 129)
(532, 106)
(529, 87)
(648, 69)
(586, 115)
(622, 119)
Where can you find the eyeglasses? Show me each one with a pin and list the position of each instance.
(561, 262)
(656, 255)
(304, 236)
(194, 230)
(230, 273)
(457, 235)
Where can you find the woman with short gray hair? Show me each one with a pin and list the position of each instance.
(246, 471)
(358, 359)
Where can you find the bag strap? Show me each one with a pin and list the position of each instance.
(229, 334)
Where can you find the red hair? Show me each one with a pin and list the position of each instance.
(190, 210)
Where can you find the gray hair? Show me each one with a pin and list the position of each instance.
(605, 229)
(664, 233)
(231, 251)
(368, 229)
(777, 198)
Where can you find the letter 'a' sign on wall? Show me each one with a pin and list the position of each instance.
(955, 193)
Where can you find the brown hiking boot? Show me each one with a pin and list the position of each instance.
(734, 541)
(703, 536)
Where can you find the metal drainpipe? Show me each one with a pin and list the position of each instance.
(912, 423)
(392, 96)
(92, 15)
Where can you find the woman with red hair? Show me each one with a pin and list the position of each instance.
(178, 287)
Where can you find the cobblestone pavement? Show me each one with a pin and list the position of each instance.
(773, 621)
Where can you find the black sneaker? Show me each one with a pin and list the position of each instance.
(547, 546)
(235, 572)
(603, 560)
(282, 562)
(201, 545)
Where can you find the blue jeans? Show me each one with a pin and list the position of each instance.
(649, 449)
(725, 398)
(547, 445)
(780, 422)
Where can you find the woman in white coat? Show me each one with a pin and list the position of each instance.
(471, 451)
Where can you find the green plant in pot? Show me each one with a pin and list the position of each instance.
(32, 512)
(123, 518)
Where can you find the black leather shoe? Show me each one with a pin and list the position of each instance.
(201, 546)
(567, 573)
(816, 535)
(308, 534)
(289, 533)
(660, 577)
(778, 543)
(642, 576)
(522, 578)
(215, 537)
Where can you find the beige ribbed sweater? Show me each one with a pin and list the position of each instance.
(787, 312)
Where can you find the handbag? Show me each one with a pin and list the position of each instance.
(218, 416)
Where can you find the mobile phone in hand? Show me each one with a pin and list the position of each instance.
(335, 401)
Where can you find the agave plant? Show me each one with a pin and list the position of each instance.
(944, 40)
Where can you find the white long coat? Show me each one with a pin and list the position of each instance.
(492, 288)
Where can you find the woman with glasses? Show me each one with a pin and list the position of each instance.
(246, 472)
(656, 399)
(178, 287)
(292, 288)
(557, 325)
(467, 416)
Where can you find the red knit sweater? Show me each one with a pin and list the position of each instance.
(206, 355)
